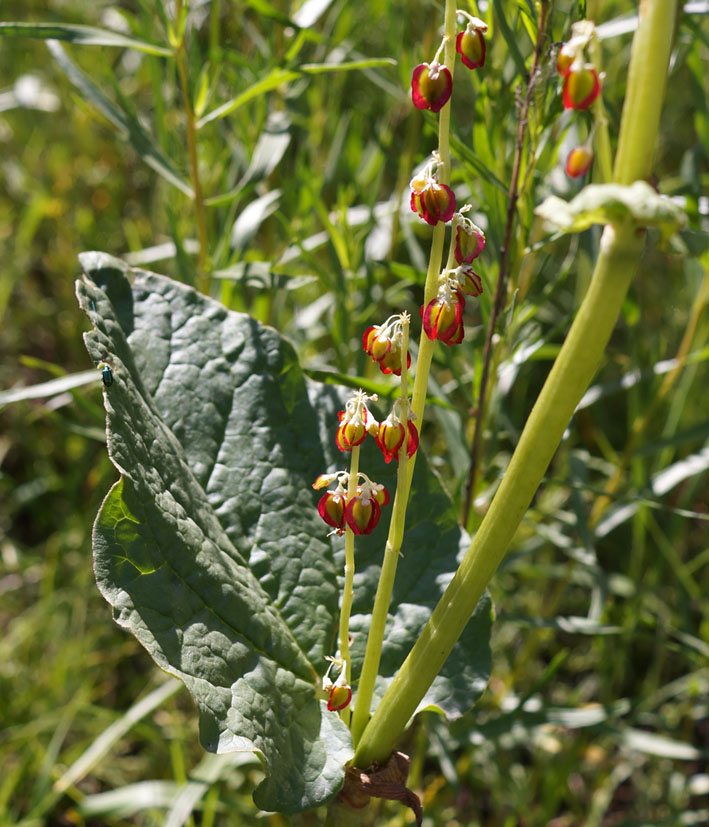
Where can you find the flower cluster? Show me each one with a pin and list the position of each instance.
(356, 421)
(360, 512)
(432, 83)
(383, 343)
(443, 315)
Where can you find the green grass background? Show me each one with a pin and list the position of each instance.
(597, 712)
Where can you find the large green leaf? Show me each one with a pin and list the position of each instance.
(210, 549)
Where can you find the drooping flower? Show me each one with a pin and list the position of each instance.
(431, 86)
(433, 201)
(581, 85)
(443, 316)
(339, 697)
(362, 513)
(376, 341)
(384, 342)
(578, 161)
(339, 692)
(469, 240)
(364, 507)
(470, 44)
(391, 363)
(356, 421)
(331, 508)
(469, 282)
(392, 434)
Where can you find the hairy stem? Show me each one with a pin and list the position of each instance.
(620, 251)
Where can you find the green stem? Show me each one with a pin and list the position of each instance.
(348, 591)
(620, 251)
(602, 138)
(191, 130)
(385, 586)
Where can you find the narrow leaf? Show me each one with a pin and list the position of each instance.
(141, 140)
(84, 35)
(278, 76)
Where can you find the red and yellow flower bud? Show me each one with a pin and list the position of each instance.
(391, 363)
(434, 202)
(581, 86)
(339, 697)
(331, 508)
(469, 282)
(362, 513)
(469, 242)
(350, 432)
(470, 45)
(443, 317)
(578, 161)
(431, 86)
(391, 437)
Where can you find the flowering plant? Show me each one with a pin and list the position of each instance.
(213, 549)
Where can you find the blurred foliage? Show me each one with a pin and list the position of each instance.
(597, 713)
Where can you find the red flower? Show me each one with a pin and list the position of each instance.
(339, 697)
(362, 512)
(391, 437)
(355, 422)
(434, 202)
(443, 316)
(383, 344)
(581, 86)
(470, 45)
(469, 282)
(350, 432)
(578, 161)
(375, 342)
(431, 86)
(391, 363)
(469, 242)
(332, 508)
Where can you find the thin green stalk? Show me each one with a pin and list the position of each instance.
(191, 131)
(620, 251)
(348, 591)
(385, 586)
(602, 137)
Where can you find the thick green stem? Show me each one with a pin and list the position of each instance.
(382, 600)
(570, 376)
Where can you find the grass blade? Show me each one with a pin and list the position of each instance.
(278, 76)
(51, 388)
(141, 140)
(113, 733)
(84, 35)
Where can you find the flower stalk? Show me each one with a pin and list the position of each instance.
(348, 591)
(382, 600)
(573, 370)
